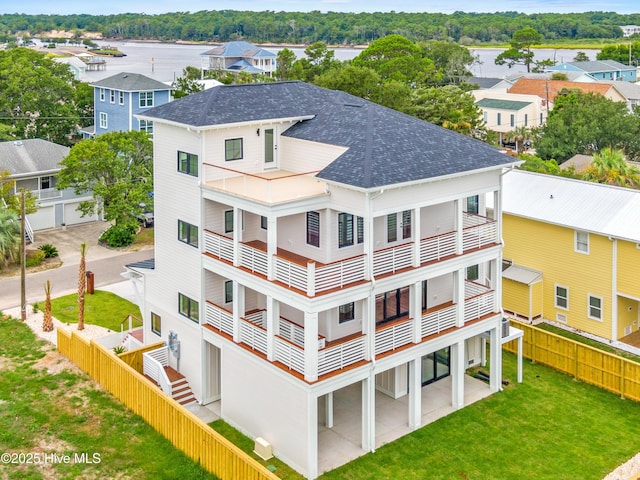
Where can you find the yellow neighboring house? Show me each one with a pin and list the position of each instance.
(572, 253)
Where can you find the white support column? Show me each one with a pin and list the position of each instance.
(457, 375)
(458, 278)
(272, 246)
(497, 212)
(495, 358)
(328, 410)
(415, 310)
(311, 346)
(415, 233)
(312, 435)
(238, 309)
(458, 206)
(368, 246)
(237, 235)
(273, 321)
(369, 326)
(520, 358)
(415, 394)
(369, 414)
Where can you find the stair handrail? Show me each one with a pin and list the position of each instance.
(130, 317)
(28, 230)
(154, 367)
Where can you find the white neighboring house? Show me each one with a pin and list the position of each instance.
(315, 252)
(504, 112)
(33, 164)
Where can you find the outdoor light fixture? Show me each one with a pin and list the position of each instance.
(258, 132)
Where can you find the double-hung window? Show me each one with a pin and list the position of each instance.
(345, 230)
(232, 149)
(595, 307)
(121, 98)
(313, 229)
(188, 233)
(146, 126)
(582, 241)
(112, 96)
(392, 227)
(188, 307)
(188, 163)
(102, 94)
(562, 297)
(146, 99)
(103, 120)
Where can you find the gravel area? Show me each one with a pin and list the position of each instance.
(629, 470)
(34, 321)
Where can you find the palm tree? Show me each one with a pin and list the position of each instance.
(82, 283)
(610, 166)
(47, 322)
(9, 236)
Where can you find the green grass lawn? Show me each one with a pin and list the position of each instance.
(549, 427)
(102, 308)
(45, 408)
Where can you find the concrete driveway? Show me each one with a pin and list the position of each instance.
(106, 264)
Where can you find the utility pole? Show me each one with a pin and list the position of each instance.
(23, 260)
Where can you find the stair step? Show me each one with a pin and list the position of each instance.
(183, 398)
(178, 391)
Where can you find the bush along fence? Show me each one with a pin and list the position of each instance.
(584, 363)
(182, 428)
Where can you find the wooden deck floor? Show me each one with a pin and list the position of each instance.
(632, 339)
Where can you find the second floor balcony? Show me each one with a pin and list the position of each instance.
(311, 277)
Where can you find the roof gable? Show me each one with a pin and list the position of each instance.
(130, 82)
(384, 147)
(576, 204)
(31, 156)
(550, 88)
(502, 104)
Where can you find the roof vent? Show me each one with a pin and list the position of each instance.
(18, 143)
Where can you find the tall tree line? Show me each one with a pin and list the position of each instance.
(330, 27)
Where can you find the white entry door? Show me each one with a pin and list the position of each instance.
(270, 148)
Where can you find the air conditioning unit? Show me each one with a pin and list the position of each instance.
(628, 330)
(262, 448)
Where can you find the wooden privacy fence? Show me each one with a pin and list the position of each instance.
(584, 363)
(182, 428)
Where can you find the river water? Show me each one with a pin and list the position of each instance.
(165, 61)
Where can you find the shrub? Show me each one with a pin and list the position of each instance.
(34, 258)
(119, 349)
(119, 235)
(35, 308)
(49, 250)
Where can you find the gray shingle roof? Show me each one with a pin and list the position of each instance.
(130, 82)
(502, 104)
(596, 66)
(384, 147)
(23, 157)
(239, 49)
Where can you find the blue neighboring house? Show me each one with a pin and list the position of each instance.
(239, 57)
(599, 69)
(117, 99)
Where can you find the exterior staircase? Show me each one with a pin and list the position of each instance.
(180, 389)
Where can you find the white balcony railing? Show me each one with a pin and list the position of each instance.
(219, 318)
(295, 333)
(218, 245)
(253, 259)
(478, 232)
(341, 355)
(438, 247)
(434, 322)
(289, 354)
(254, 336)
(392, 259)
(392, 336)
(47, 193)
(479, 305)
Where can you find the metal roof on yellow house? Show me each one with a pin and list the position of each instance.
(592, 207)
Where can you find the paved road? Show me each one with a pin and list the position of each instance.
(106, 264)
(64, 280)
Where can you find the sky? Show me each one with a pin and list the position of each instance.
(64, 7)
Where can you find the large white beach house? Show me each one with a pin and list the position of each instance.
(325, 271)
